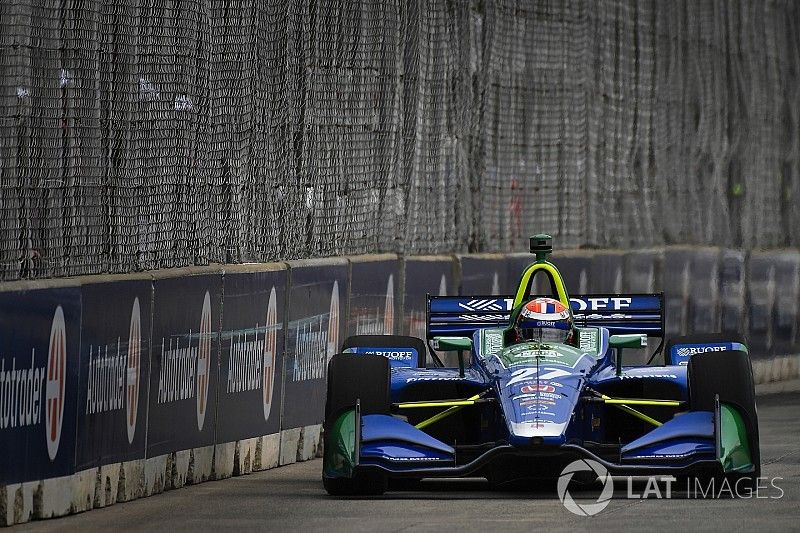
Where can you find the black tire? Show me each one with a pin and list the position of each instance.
(365, 378)
(362, 484)
(358, 377)
(728, 374)
(389, 341)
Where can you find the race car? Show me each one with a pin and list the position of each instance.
(542, 381)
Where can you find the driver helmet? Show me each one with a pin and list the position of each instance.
(545, 320)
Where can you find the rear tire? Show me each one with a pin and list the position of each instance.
(366, 379)
(727, 374)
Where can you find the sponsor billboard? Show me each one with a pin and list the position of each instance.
(318, 301)
(642, 271)
(484, 275)
(787, 301)
(374, 297)
(424, 275)
(703, 313)
(39, 367)
(605, 272)
(251, 354)
(761, 295)
(114, 371)
(574, 267)
(677, 275)
(184, 362)
(732, 292)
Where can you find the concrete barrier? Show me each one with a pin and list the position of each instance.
(181, 376)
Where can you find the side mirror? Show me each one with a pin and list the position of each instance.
(619, 342)
(628, 341)
(454, 344)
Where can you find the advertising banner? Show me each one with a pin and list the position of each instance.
(574, 266)
(424, 275)
(787, 300)
(642, 271)
(483, 275)
(251, 354)
(704, 301)
(677, 275)
(39, 368)
(374, 296)
(761, 295)
(184, 363)
(732, 308)
(605, 272)
(318, 301)
(114, 372)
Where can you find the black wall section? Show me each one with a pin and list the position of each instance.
(704, 291)
(787, 299)
(677, 290)
(605, 272)
(642, 271)
(761, 290)
(184, 363)
(483, 275)
(318, 303)
(39, 367)
(424, 276)
(251, 354)
(732, 297)
(374, 296)
(114, 372)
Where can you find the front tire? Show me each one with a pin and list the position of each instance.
(729, 375)
(351, 378)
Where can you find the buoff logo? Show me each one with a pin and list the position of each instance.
(203, 361)
(56, 381)
(685, 352)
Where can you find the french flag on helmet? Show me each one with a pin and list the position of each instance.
(545, 309)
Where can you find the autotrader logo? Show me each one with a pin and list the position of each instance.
(133, 369)
(56, 379)
(203, 361)
(585, 509)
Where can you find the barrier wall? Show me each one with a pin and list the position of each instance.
(118, 387)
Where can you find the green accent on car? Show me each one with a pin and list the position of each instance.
(735, 450)
(339, 459)
(534, 352)
(491, 341)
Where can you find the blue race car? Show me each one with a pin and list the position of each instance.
(541, 382)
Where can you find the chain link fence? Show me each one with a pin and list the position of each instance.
(143, 134)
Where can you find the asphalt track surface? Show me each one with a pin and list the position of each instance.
(292, 498)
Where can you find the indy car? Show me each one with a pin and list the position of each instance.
(541, 382)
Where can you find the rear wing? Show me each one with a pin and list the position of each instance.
(620, 313)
